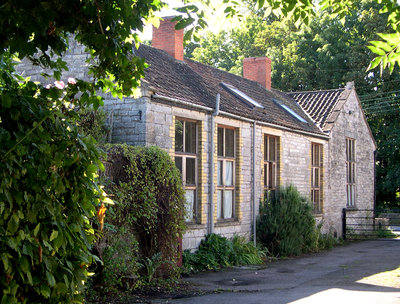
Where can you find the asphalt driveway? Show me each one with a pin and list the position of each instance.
(363, 272)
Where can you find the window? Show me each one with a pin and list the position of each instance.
(316, 176)
(226, 173)
(242, 96)
(186, 162)
(270, 163)
(289, 110)
(351, 172)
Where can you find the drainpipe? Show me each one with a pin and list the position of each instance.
(212, 151)
(254, 184)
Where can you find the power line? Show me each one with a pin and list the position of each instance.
(384, 111)
(382, 103)
(378, 100)
(378, 93)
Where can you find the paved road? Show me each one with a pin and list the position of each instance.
(354, 273)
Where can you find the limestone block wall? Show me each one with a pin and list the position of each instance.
(160, 131)
(126, 119)
(75, 58)
(349, 124)
(295, 163)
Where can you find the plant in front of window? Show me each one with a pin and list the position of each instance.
(286, 225)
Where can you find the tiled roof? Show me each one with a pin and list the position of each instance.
(319, 105)
(199, 84)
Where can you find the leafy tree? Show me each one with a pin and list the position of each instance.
(302, 12)
(326, 54)
(48, 193)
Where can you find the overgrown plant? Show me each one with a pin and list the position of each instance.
(216, 252)
(286, 225)
(147, 189)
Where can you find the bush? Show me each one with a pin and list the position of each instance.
(142, 228)
(216, 252)
(286, 225)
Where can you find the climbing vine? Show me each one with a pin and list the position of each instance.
(149, 201)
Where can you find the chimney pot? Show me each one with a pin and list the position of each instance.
(167, 38)
(258, 69)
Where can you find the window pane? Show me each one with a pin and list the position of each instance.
(219, 173)
(272, 148)
(265, 147)
(229, 143)
(220, 142)
(189, 206)
(178, 163)
(271, 175)
(219, 205)
(179, 135)
(228, 173)
(266, 174)
(190, 171)
(228, 204)
(316, 177)
(190, 137)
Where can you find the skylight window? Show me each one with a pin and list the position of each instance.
(242, 96)
(290, 111)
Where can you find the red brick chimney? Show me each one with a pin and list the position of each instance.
(166, 38)
(258, 69)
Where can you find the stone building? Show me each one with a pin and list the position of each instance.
(236, 138)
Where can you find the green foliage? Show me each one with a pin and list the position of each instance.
(216, 252)
(149, 197)
(152, 265)
(324, 55)
(286, 225)
(106, 28)
(93, 123)
(47, 193)
(120, 256)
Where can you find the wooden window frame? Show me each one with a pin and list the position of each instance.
(189, 155)
(350, 172)
(221, 186)
(270, 187)
(317, 165)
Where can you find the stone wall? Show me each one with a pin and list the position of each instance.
(75, 58)
(349, 124)
(150, 121)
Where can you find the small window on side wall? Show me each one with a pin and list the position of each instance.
(316, 176)
(351, 172)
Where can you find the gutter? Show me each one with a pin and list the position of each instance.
(212, 168)
(223, 113)
(254, 184)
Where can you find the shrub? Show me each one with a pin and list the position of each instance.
(286, 225)
(216, 252)
(148, 212)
